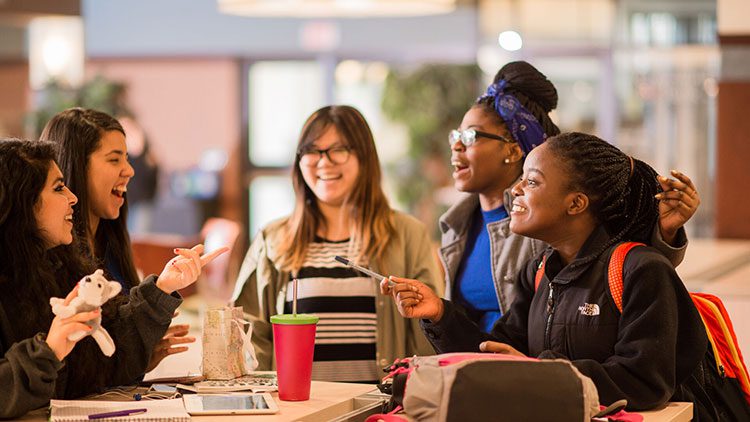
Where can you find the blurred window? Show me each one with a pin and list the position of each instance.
(271, 197)
(663, 29)
(282, 94)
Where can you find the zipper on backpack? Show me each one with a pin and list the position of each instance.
(550, 312)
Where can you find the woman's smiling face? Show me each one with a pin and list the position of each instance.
(54, 210)
(331, 183)
(108, 175)
(542, 198)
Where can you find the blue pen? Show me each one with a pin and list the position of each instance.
(117, 413)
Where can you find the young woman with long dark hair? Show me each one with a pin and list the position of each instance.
(39, 261)
(93, 156)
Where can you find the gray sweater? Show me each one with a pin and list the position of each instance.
(31, 375)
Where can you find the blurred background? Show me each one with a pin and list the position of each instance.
(213, 94)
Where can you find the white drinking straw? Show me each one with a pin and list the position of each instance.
(294, 298)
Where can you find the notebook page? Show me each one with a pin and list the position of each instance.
(158, 410)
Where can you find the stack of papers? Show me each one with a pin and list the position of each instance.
(156, 410)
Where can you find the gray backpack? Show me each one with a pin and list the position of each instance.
(481, 387)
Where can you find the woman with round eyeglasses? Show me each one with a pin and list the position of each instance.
(340, 209)
(480, 255)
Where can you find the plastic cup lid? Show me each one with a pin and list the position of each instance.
(299, 319)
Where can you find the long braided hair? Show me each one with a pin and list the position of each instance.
(533, 90)
(620, 188)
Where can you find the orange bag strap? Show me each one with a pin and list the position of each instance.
(540, 273)
(614, 271)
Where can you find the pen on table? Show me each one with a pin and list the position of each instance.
(117, 413)
(364, 270)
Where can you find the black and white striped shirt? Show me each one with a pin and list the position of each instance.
(344, 300)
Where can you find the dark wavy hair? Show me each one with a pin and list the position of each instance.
(25, 259)
(24, 166)
(535, 92)
(30, 274)
(78, 132)
(620, 188)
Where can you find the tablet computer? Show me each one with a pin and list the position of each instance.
(230, 404)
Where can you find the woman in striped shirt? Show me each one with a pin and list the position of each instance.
(340, 209)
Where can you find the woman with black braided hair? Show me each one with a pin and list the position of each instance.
(480, 255)
(583, 197)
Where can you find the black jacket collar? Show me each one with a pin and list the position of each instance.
(583, 260)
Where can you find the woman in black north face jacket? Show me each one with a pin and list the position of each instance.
(583, 196)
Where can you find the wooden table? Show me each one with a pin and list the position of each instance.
(323, 396)
(327, 400)
(331, 399)
(671, 412)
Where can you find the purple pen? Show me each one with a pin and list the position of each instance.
(115, 414)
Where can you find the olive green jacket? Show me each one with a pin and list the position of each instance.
(261, 290)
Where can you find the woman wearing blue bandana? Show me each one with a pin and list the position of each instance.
(480, 255)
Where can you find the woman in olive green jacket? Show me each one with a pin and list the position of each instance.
(340, 210)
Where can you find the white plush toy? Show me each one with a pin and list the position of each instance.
(93, 291)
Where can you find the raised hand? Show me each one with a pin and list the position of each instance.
(182, 270)
(413, 298)
(61, 328)
(678, 202)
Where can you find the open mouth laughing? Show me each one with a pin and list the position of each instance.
(119, 191)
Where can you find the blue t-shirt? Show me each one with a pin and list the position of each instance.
(475, 288)
(113, 270)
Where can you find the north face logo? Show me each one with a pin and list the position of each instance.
(589, 309)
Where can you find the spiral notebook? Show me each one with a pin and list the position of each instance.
(156, 410)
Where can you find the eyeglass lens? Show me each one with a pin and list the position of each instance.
(466, 137)
(336, 155)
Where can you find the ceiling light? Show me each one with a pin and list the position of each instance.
(510, 40)
(335, 8)
(56, 51)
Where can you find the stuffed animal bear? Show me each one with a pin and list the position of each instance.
(93, 291)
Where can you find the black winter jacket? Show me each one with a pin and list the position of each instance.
(643, 355)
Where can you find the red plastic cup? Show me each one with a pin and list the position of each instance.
(294, 344)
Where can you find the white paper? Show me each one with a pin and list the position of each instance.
(157, 410)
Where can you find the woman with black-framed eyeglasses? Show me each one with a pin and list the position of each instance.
(340, 209)
(480, 255)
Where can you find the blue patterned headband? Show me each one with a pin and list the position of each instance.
(523, 126)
